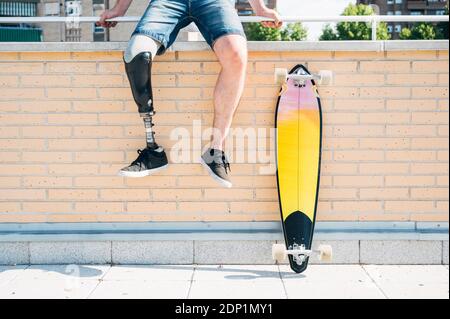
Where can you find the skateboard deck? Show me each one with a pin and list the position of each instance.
(299, 143)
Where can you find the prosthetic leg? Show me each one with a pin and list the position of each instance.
(139, 74)
(153, 157)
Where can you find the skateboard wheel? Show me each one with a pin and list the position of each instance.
(326, 252)
(281, 75)
(326, 77)
(279, 252)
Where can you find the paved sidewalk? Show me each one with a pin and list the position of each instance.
(253, 282)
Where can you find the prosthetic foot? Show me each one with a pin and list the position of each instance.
(152, 158)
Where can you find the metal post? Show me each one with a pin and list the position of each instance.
(107, 31)
(374, 29)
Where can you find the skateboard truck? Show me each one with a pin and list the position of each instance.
(300, 253)
(324, 77)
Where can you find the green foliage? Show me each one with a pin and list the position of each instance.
(426, 31)
(292, 32)
(328, 34)
(257, 32)
(420, 31)
(423, 31)
(405, 34)
(355, 30)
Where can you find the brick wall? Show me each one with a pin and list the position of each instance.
(68, 123)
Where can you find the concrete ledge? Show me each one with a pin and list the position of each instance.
(216, 243)
(445, 253)
(418, 45)
(401, 252)
(233, 252)
(256, 252)
(94, 252)
(12, 253)
(153, 252)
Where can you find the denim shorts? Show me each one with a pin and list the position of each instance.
(163, 20)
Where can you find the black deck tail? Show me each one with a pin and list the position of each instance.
(298, 224)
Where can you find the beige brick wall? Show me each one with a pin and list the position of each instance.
(68, 123)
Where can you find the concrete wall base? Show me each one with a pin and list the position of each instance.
(215, 252)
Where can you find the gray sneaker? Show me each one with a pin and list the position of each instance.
(148, 162)
(217, 165)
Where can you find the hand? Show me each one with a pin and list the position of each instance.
(109, 14)
(271, 14)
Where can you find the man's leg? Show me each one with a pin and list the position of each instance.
(155, 32)
(231, 51)
(140, 43)
(138, 58)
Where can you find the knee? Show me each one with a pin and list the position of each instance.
(236, 59)
(138, 44)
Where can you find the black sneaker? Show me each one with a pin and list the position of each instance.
(148, 162)
(217, 165)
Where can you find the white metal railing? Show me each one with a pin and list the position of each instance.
(372, 19)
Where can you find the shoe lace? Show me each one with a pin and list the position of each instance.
(140, 158)
(226, 165)
(221, 161)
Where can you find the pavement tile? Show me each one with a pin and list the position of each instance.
(236, 273)
(149, 273)
(411, 282)
(326, 273)
(224, 282)
(8, 273)
(64, 272)
(141, 290)
(237, 289)
(408, 274)
(332, 290)
(48, 289)
(237, 281)
(415, 291)
(330, 282)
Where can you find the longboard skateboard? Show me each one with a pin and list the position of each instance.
(299, 143)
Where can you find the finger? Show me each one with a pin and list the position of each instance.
(278, 21)
(101, 20)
